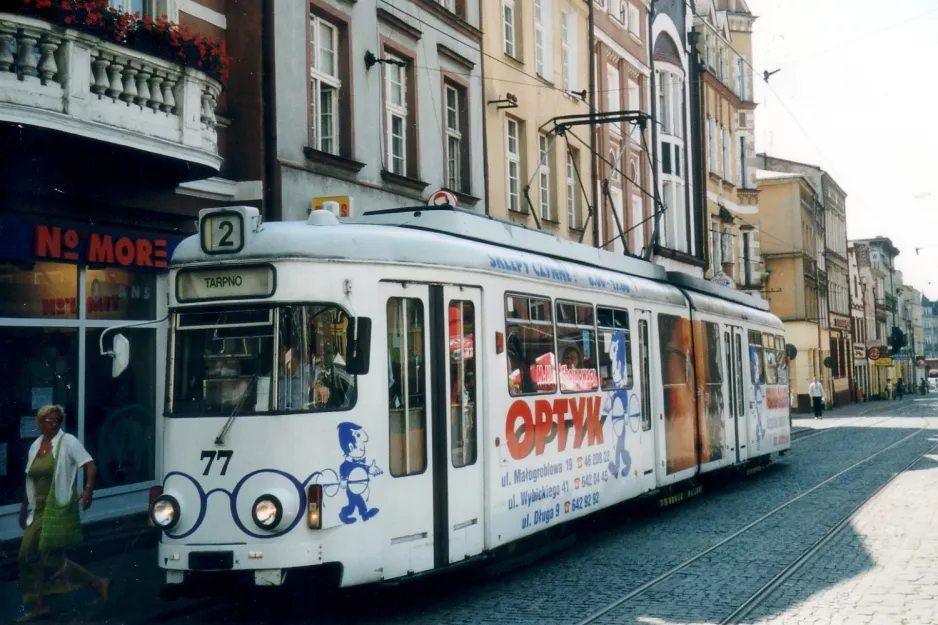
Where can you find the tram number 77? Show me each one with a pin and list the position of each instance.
(210, 455)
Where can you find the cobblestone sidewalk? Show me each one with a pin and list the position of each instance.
(895, 537)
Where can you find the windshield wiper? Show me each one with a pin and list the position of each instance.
(220, 439)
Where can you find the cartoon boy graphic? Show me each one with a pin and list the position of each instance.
(616, 405)
(355, 473)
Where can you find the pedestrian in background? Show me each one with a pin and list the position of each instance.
(816, 392)
(49, 515)
(900, 388)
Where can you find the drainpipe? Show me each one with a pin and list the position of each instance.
(273, 208)
(594, 158)
(653, 92)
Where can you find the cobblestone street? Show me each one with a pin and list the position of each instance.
(693, 563)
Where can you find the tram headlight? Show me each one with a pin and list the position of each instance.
(267, 512)
(165, 512)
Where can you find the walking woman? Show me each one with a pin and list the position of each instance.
(49, 516)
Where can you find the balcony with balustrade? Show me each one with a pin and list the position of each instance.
(88, 101)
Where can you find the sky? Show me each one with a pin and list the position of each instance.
(856, 95)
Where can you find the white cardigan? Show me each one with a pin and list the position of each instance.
(73, 456)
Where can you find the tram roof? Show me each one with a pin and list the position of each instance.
(451, 237)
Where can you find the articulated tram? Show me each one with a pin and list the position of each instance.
(397, 393)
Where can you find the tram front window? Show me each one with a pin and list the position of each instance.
(261, 360)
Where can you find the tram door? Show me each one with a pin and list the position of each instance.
(459, 485)
(434, 389)
(733, 343)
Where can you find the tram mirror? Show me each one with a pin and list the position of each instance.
(121, 351)
(358, 350)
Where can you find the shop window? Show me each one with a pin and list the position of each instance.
(529, 328)
(407, 391)
(40, 367)
(462, 366)
(615, 348)
(120, 294)
(120, 424)
(39, 291)
(576, 344)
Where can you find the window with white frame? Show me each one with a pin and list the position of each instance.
(712, 144)
(543, 39)
(743, 163)
(638, 207)
(741, 78)
(543, 175)
(635, 104)
(727, 156)
(728, 253)
(455, 178)
(573, 218)
(325, 84)
(716, 248)
(635, 20)
(396, 117)
(449, 5)
(513, 163)
(664, 102)
(143, 7)
(509, 26)
(569, 50)
(613, 94)
(670, 112)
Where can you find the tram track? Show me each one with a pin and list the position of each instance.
(812, 432)
(754, 599)
(766, 591)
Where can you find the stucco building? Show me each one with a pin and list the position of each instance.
(376, 103)
(623, 82)
(789, 209)
(537, 68)
(725, 47)
(832, 269)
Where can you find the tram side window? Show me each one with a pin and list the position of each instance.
(756, 358)
(529, 328)
(781, 357)
(576, 344)
(407, 393)
(311, 371)
(771, 359)
(615, 351)
(710, 366)
(462, 366)
(643, 373)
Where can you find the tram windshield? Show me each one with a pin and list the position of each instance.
(260, 360)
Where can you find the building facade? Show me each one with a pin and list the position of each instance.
(790, 211)
(624, 187)
(930, 330)
(832, 270)
(108, 151)
(536, 68)
(678, 226)
(863, 321)
(378, 105)
(724, 45)
(875, 262)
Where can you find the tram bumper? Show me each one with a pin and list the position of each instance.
(200, 570)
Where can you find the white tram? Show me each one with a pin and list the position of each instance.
(393, 394)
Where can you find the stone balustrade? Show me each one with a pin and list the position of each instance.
(74, 82)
